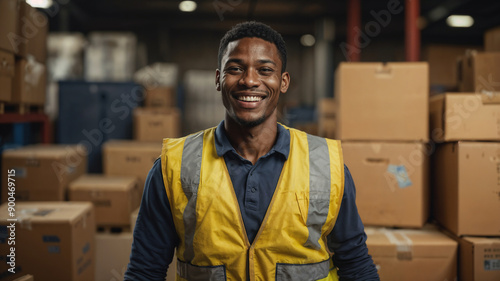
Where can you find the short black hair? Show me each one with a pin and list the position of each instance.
(258, 30)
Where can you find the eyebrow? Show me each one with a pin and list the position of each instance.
(260, 61)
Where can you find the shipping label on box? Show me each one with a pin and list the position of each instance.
(155, 124)
(391, 182)
(466, 187)
(479, 259)
(114, 197)
(130, 158)
(43, 172)
(382, 102)
(408, 255)
(52, 241)
(465, 116)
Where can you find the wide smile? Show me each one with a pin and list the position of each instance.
(249, 98)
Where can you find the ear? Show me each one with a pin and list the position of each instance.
(217, 80)
(285, 82)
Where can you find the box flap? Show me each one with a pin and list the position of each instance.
(28, 213)
(50, 151)
(408, 244)
(103, 182)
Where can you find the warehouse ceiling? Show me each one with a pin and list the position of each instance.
(292, 17)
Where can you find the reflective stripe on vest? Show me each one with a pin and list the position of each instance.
(319, 178)
(190, 180)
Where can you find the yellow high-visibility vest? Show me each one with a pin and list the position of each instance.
(291, 242)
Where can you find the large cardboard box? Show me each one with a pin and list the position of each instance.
(112, 255)
(164, 97)
(9, 18)
(492, 40)
(465, 116)
(130, 158)
(114, 197)
(42, 172)
(479, 259)
(479, 72)
(326, 119)
(442, 61)
(466, 187)
(408, 255)
(391, 182)
(31, 36)
(29, 82)
(382, 102)
(154, 124)
(7, 67)
(54, 241)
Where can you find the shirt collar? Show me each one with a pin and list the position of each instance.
(222, 144)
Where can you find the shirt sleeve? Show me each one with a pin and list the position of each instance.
(348, 239)
(155, 237)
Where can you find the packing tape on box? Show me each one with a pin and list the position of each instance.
(404, 245)
(24, 216)
(490, 97)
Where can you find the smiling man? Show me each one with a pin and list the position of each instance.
(250, 199)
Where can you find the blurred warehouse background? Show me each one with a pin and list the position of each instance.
(88, 88)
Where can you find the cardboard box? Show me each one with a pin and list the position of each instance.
(130, 158)
(465, 116)
(382, 102)
(479, 72)
(466, 187)
(112, 255)
(407, 255)
(9, 18)
(7, 67)
(29, 83)
(42, 172)
(154, 124)
(391, 182)
(31, 36)
(442, 61)
(133, 218)
(492, 40)
(53, 240)
(164, 97)
(28, 277)
(327, 111)
(479, 259)
(114, 197)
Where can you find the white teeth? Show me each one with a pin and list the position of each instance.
(249, 98)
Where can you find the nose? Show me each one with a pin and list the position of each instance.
(250, 78)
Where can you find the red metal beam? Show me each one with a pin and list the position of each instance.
(412, 32)
(353, 29)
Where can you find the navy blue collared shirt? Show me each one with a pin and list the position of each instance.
(155, 237)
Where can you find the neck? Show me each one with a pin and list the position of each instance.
(252, 143)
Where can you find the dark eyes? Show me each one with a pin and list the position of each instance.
(263, 70)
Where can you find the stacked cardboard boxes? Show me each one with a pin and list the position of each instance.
(382, 118)
(466, 189)
(23, 52)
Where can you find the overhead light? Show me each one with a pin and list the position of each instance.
(307, 40)
(460, 21)
(44, 4)
(187, 6)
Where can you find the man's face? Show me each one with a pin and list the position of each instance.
(251, 81)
